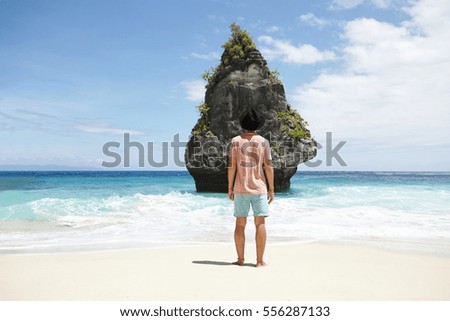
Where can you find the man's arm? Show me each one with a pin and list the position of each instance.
(231, 173)
(268, 169)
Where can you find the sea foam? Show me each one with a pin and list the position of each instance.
(404, 212)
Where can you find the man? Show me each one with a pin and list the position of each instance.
(249, 159)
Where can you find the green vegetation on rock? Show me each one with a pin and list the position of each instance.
(273, 76)
(238, 46)
(209, 75)
(202, 127)
(293, 125)
(236, 50)
(203, 109)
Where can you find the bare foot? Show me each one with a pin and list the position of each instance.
(261, 264)
(239, 262)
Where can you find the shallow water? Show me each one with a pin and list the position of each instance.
(65, 211)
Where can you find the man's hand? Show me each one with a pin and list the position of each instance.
(231, 194)
(270, 196)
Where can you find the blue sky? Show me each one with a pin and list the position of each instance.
(77, 74)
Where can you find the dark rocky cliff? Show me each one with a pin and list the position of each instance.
(243, 80)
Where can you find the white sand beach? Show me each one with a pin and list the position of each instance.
(295, 272)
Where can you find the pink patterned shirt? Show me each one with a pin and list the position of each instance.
(248, 151)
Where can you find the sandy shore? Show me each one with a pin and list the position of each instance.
(296, 272)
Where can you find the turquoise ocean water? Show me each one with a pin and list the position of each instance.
(69, 211)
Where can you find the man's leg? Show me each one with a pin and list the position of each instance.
(239, 238)
(261, 236)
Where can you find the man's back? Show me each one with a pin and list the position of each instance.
(247, 185)
(249, 150)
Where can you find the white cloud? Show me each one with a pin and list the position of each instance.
(349, 4)
(104, 129)
(213, 17)
(272, 29)
(208, 56)
(285, 51)
(258, 24)
(21, 114)
(394, 88)
(195, 90)
(311, 20)
(381, 3)
(345, 4)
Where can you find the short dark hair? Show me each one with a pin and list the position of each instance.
(251, 120)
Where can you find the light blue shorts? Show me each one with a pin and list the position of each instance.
(258, 202)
